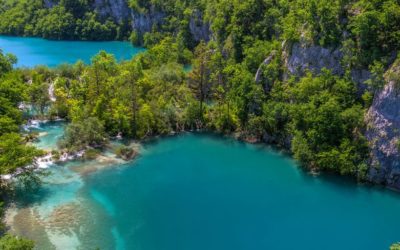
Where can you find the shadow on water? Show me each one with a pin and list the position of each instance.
(346, 185)
(28, 197)
(340, 183)
(225, 139)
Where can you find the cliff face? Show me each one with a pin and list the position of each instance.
(300, 58)
(313, 58)
(303, 57)
(383, 131)
(117, 9)
(49, 3)
(143, 22)
(199, 29)
(120, 11)
(382, 119)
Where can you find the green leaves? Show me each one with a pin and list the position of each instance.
(14, 153)
(9, 242)
(395, 246)
(69, 19)
(82, 134)
(324, 118)
(6, 62)
(376, 29)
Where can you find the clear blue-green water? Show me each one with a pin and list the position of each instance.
(36, 51)
(199, 191)
(49, 134)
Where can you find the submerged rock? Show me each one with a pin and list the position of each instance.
(126, 153)
(383, 131)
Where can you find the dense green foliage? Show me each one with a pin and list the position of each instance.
(9, 242)
(13, 151)
(326, 122)
(89, 132)
(69, 19)
(369, 30)
(318, 118)
(395, 246)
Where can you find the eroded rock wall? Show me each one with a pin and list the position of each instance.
(117, 9)
(383, 131)
(313, 58)
(143, 22)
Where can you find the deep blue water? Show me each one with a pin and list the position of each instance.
(36, 51)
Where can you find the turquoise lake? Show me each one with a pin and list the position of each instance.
(200, 191)
(36, 51)
(50, 133)
(190, 192)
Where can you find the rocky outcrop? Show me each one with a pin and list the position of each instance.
(198, 28)
(383, 131)
(49, 3)
(304, 58)
(300, 58)
(117, 9)
(144, 22)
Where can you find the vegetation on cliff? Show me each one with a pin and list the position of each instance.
(368, 30)
(319, 118)
(67, 20)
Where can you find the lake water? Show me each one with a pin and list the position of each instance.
(199, 191)
(190, 192)
(36, 51)
(49, 133)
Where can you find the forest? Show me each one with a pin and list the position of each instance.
(318, 118)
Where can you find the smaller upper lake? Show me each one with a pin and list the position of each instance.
(36, 51)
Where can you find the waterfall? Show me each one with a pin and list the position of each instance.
(51, 92)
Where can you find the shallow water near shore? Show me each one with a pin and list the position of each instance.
(49, 133)
(199, 191)
(32, 52)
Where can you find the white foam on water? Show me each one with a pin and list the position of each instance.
(6, 177)
(63, 241)
(34, 124)
(45, 161)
